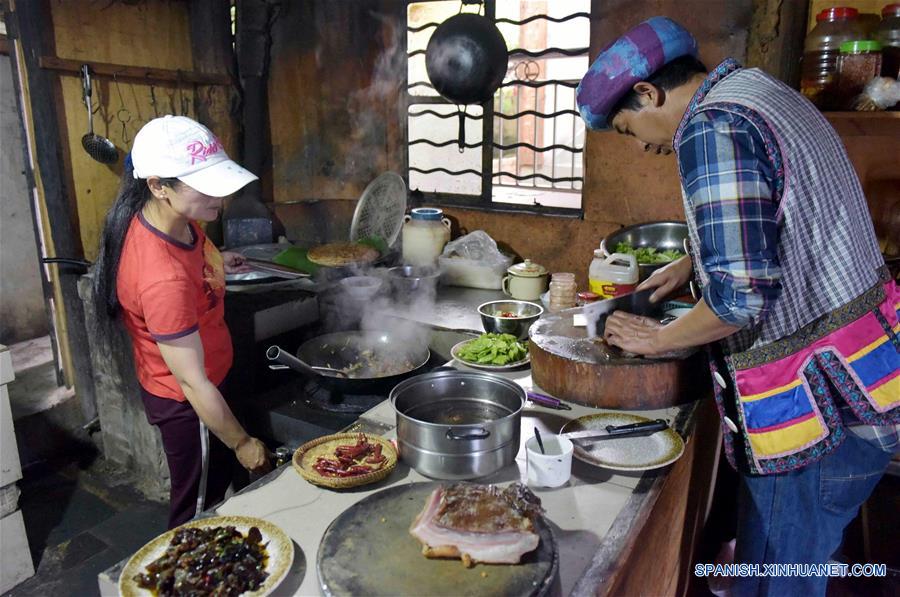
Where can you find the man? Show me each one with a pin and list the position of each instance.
(807, 363)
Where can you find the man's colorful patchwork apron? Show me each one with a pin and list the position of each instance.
(831, 337)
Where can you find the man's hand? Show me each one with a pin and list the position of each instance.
(668, 279)
(633, 333)
(235, 263)
(253, 455)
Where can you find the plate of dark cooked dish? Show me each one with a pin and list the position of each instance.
(223, 555)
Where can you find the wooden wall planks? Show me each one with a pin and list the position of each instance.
(154, 33)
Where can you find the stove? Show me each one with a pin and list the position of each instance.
(302, 409)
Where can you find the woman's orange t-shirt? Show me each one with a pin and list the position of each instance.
(169, 289)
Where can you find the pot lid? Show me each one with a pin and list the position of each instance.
(527, 269)
(426, 213)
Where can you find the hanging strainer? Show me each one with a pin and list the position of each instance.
(380, 210)
(99, 148)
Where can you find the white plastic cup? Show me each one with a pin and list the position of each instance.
(553, 468)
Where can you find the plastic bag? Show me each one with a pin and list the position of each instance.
(880, 93)
(474, 261)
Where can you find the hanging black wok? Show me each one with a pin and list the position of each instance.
(356, 362)
(466, 60)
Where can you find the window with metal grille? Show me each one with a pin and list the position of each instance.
(533, 160)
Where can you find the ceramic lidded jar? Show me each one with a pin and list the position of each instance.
(425, 232)
(525, 281)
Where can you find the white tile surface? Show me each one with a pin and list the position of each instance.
(15, 558)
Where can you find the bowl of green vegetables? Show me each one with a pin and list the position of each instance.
(492, 352)
(654, 244)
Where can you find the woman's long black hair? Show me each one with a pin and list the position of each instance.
(133, 195)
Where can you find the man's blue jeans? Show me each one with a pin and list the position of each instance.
(799, 517)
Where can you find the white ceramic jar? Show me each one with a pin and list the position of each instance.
(525, 281)
(425, 232)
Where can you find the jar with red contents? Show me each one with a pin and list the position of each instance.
(818, 76)
(858, 63)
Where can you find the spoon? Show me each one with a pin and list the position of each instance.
(537, 436)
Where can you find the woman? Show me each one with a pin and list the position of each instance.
(158, 271)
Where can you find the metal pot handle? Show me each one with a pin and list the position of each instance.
(480, 434)
(274, 353)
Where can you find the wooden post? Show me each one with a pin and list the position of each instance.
(252, 43)
(775, 44)
(217, 107)
(33, 27)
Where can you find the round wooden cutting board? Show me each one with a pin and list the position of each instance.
(368, 550)
(568, 365)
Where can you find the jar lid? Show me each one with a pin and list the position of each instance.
(859, 46)
(586, 296)
(891, 10)
(426, 213)
(527, 269)
(836, 13)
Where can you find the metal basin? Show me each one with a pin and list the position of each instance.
(660, 235)
(408, 280)
(523, 315)
(458, 424)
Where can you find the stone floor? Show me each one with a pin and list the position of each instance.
(80, 521)
(81, 516)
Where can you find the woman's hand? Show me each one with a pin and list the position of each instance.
(253, 455)
(235, 263)
(668, 279)
(634, 333)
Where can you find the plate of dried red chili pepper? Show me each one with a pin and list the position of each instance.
(345, 460)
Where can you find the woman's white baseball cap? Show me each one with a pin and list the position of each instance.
(178, 147)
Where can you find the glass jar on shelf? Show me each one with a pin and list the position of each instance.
(818, 73)
(888, 35)
(858, 63)
(562, 291)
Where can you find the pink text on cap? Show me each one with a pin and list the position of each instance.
(199, 152)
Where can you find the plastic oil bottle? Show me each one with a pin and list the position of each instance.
(613, 275)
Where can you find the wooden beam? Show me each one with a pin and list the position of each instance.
(34, 30)
(140, 73)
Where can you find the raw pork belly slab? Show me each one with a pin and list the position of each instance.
(478, 523)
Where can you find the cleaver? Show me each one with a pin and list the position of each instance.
(638, 303)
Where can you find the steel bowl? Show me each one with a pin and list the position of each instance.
(660, 235)
(458, 424)
(526, 313)
(408, 280)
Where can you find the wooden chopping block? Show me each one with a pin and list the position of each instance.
(568, 365)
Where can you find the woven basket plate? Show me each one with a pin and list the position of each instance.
(306, 455)
(279, 547)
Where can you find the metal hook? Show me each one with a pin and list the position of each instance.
(125, 138)
(153, 100)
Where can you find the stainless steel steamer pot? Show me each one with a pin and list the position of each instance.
(458, 424)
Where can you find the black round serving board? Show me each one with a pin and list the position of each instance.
(368, 550)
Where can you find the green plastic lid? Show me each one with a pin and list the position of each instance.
(860, 46)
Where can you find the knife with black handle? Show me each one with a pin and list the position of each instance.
(616, 431)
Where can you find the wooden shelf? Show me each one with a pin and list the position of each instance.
(140, 73)
(865, 124)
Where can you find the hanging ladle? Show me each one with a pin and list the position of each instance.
(99, 148)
